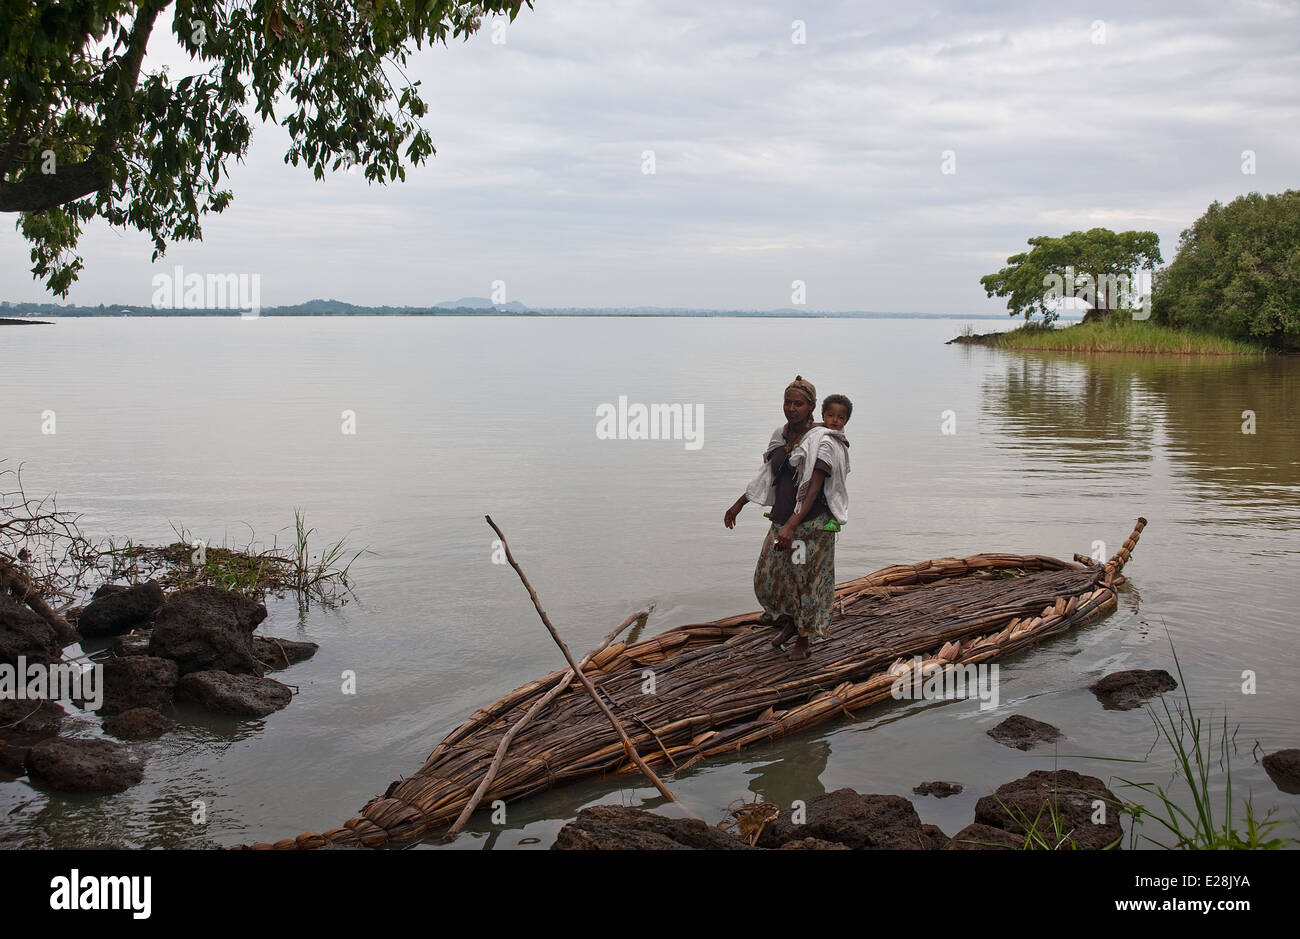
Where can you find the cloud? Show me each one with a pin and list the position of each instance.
(774, 160)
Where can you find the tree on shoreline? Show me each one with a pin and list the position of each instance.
(1095, 265)
(1237, 272)
(83, 134)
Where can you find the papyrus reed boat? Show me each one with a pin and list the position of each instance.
(719, 687)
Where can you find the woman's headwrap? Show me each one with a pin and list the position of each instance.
(804, 388)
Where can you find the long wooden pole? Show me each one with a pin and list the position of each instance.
(628, 748)
(561, 686)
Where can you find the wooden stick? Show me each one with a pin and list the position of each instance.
(561, 686)
(586, 682)
(651, 730)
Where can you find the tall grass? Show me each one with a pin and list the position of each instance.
(1121, 335)
(1192, 744)
(310, 571)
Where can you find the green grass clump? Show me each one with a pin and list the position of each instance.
(1118, 334)
(248, 570)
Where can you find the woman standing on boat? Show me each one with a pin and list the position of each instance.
(795, 587)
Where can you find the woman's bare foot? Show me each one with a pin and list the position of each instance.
(800, 649)
(787, 633)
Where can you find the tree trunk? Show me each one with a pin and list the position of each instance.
(1100, 308)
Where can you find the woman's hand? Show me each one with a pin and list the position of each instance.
(729, 519)
(785, 537)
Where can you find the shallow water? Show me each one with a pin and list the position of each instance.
(223, 426)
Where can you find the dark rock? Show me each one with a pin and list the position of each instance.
(938, 789)
(14, 748)
(857, 821)
(24, 633)
(1075, 796)
(616, 828)
(207, 628)
(1123, 691)
(138, 724)
(979, 837)
(23, 724)
(1023, 732)
(73, 613)
(812, 844)
(240, 695)
(935, 839)
(84, 765)
(281, 653)
(117, 611)
(133, 643)
(40, 717)
(1283, 767)
(138, 681)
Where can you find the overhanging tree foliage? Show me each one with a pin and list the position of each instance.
(84, 134)
(1088, 264)
(1237, 272)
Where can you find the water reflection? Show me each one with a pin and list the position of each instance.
(1067, 412)
(797, 775)
(1115, 412)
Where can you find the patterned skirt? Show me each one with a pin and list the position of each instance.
(798, 584)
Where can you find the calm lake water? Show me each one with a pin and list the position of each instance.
(224, 426)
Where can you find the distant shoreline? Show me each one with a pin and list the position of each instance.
(143, 312)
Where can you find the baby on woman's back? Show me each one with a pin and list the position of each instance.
(826, 441)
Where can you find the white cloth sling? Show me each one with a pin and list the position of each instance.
(822, 443)
(826, 444)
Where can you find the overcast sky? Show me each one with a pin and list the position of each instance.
(776, 161)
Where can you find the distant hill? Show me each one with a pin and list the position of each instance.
(481, 303)
(319, 307)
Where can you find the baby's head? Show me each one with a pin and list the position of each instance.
(836, 411)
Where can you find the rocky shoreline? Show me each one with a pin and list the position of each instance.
(198, 646)
(195, 645)
(1043, 809)
(847, 820)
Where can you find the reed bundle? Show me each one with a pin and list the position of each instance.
(706, 689)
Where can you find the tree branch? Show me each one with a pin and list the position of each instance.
(38, 193)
